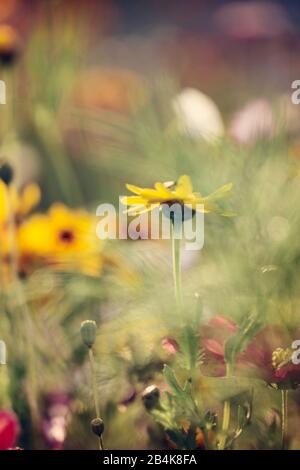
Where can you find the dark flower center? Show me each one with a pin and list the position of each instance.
(177, 210)
(66, 236)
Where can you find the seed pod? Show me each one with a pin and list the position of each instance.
(97, 425)
(6, 173)
(88, 332)
(150, 397)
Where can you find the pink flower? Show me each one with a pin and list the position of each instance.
(268, 355)
(252, 123)
(9, 429)
(212, 339)
(170, 346)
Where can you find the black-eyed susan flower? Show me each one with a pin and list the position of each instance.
(63, 238)
(181, 192)
(179, 202)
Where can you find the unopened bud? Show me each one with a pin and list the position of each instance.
(150, 397)
(88, 332)
(6, 173)
(97, 426)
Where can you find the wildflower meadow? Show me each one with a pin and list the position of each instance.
(149, 226)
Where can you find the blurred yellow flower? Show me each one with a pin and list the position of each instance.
(181, 192)
(14, 206)
(17, 203)
(63, 238)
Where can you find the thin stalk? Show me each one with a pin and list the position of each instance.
(176, 252)
(284, 418)
(176, 257)
(225, 423)
(95, 394)
(204, 432)
(226, 416)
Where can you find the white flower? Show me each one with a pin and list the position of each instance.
(197, 115)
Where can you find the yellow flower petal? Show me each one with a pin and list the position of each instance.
(30, 197)
(153, 195)
(133, 200)
(220, 193)
(183, 187)
(134, 189)
(141, 209)
(149, 208)
(161, 188)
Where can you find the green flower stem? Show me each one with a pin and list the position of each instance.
(226, 416)
(225, 423)
(284, 418)
(205, 432)
(176, 252)
(95, 394)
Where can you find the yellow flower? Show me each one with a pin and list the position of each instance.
(17, 204)
(14, 206)
(63, 238)
(181, 192)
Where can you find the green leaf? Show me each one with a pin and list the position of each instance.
(189, 346)
(239, 341)
(171, 380)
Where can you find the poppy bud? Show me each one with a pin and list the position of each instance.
(88, 332)
(6, 173)
(97, 426)
(151, 397)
